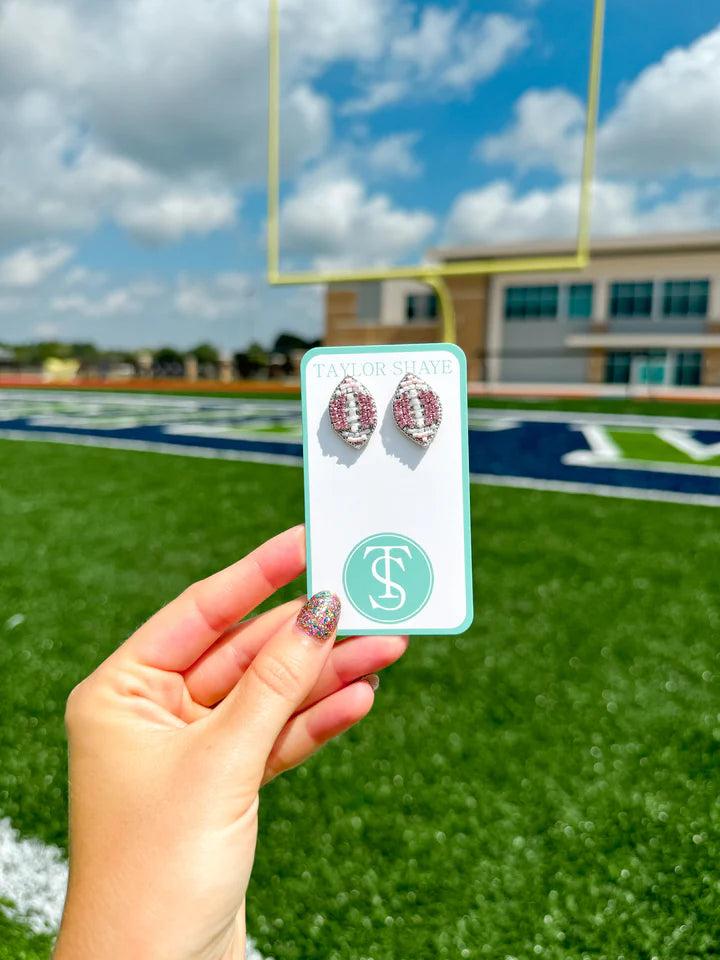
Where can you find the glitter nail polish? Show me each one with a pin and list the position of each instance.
(320, 615)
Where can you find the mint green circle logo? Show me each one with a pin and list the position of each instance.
(388, 578)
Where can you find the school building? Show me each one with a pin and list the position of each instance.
(646, 311)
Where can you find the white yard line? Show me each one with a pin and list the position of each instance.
(33, 879)
(602, 419)
(115, 443)
(604, 452)
(239, 405)
(596, 489)
(689, 445)
(601, 443)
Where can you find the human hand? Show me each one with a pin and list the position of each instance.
(170, 740)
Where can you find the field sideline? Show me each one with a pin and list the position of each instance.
(544, 785)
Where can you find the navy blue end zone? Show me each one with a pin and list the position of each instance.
(577, 453)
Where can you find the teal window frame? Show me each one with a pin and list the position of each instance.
(580, 301)
(686, 298)
(532, 303)
(631, 300)
(618, 366)
(688, 368)
(421, 308)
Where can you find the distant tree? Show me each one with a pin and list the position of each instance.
(250, 361)
(257, 355)
(242, 365)
(168, 362)
(87, 353)
(287, 342)
(206, 353)
(166, 356)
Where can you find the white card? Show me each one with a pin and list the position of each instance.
(388, 524)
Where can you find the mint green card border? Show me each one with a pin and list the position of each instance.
(400, 348)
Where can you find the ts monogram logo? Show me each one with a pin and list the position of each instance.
(388, 578)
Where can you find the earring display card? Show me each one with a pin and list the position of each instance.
(388, 523)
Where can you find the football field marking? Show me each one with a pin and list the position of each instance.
(605, 452)
(266, 431)
(596, 490)
(33, 881)
(695, 449)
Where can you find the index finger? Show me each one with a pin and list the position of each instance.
(177, 635)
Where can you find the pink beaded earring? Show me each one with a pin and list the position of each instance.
(353, 413)
(417, 410)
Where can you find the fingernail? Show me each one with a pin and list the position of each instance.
(373, 679)
(319, 617)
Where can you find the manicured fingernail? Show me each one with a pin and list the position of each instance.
(319, 617)
(373, 679)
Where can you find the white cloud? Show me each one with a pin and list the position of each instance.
(115, 303)
(83, 276)
(129, 313)
(667, 122)
(395, 155)
(547, 131)
(221, 298)
(483, 48)
(240, 284)
(431, 42)
(444, 55)
(46, 330)
(321, 31)
(146, 288)
(104, 108)
(332, 218)
(169, 218)
(376, 96)
(499, 212)
(29, 266)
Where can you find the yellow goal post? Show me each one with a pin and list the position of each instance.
(432, 274)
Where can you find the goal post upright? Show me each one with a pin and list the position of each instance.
(432, 274)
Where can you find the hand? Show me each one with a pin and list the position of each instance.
(170, 740)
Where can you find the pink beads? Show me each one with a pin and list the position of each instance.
(353, 414)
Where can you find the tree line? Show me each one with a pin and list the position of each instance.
(166, 360)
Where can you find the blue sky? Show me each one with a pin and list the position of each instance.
(132, 148)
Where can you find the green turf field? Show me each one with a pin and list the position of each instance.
(545, 785)
(646, 445)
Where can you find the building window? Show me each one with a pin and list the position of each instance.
(421, 308)
(688, 369)
(631, 299)
(533, 303)
(618, 366)
(580, 301)
(686, 298)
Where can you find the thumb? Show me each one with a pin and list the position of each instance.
(278, 680)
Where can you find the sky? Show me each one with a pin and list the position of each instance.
(133, 148)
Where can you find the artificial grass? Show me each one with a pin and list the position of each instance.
(17, 943)
(643, 445)
(544, 785)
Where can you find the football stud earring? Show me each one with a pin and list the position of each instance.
(417, 410)
(353, 413)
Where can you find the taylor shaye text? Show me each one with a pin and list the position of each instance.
(379, 368)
